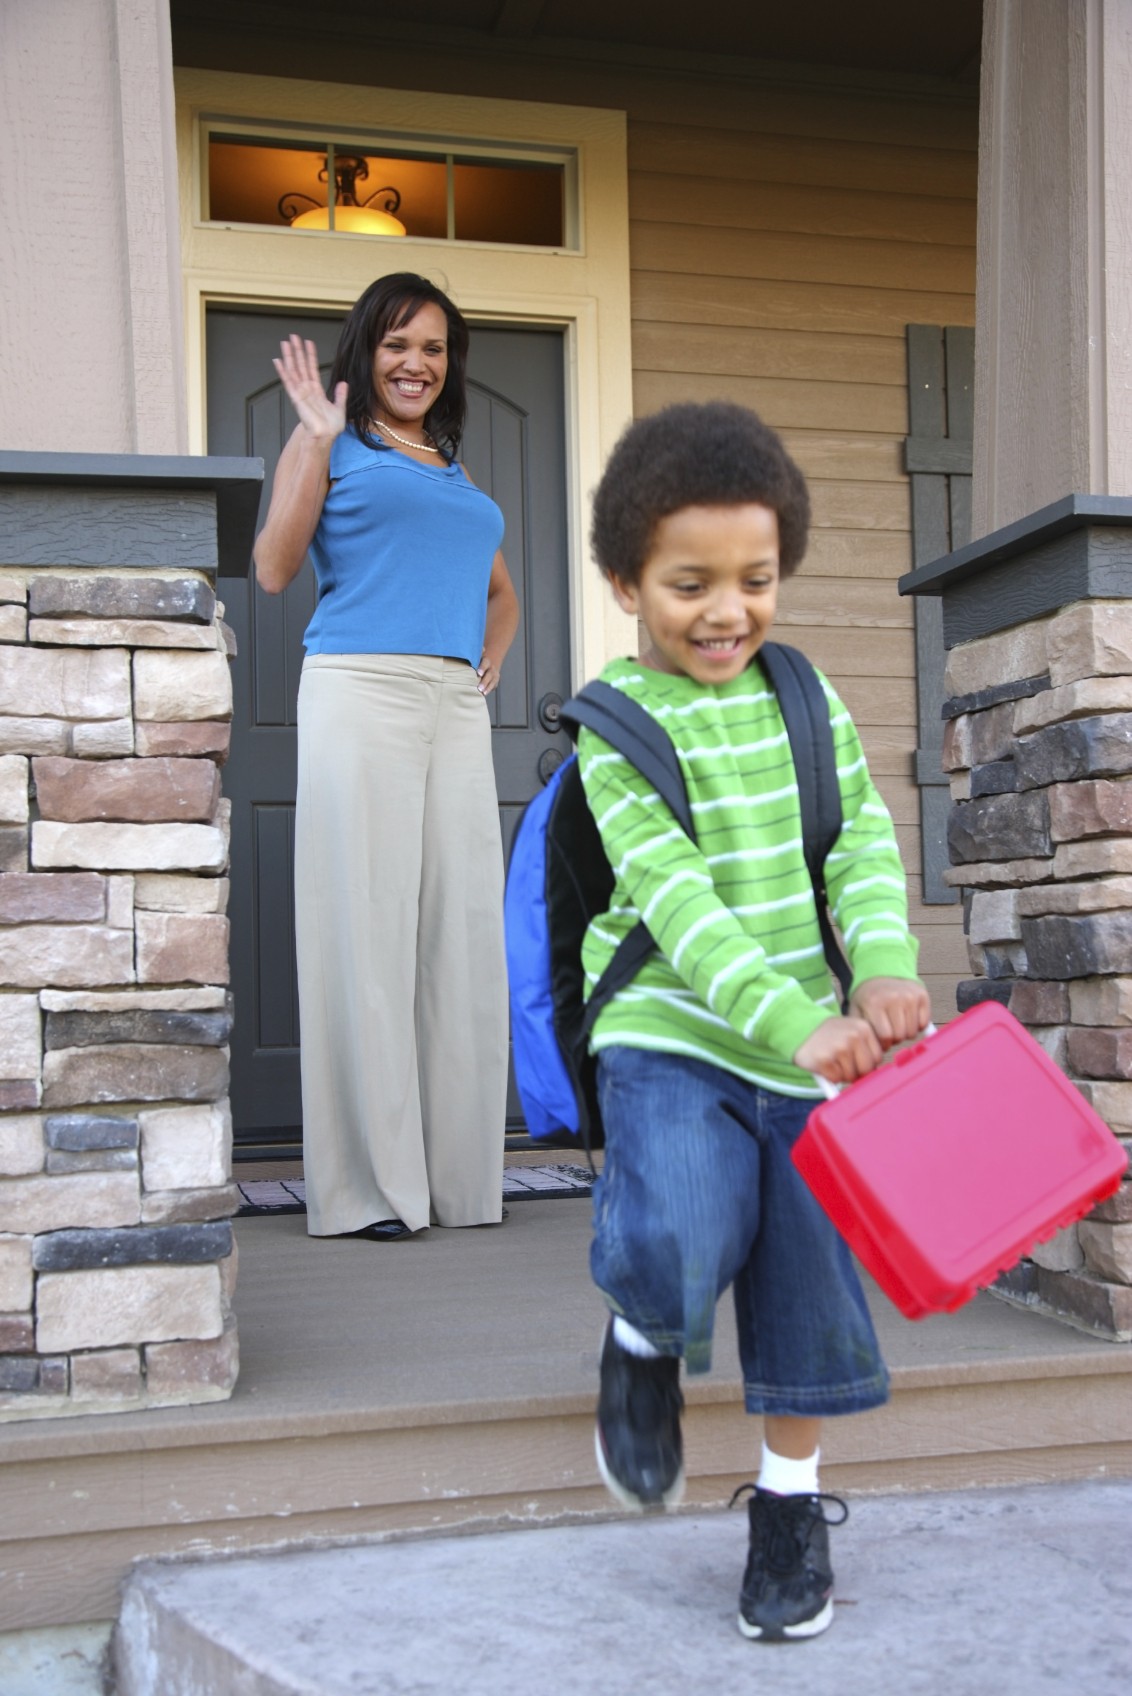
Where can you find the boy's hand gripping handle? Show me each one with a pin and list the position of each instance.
(832, 1091)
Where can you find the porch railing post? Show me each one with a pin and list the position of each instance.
(1037, 620)
(116, 1251)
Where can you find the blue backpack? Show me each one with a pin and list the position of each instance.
(559, 879)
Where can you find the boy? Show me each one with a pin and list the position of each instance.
(706, 1061)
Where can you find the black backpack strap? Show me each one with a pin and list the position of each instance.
(626, 726)
(630, 955)
(805, 712)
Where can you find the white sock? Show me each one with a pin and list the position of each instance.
(785, 1477)
(628, 1338)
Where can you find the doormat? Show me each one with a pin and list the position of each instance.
(520, 1183)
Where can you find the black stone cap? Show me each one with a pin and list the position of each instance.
(1073, 512)
(236, 483)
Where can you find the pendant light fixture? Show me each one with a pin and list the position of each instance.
(357, 217)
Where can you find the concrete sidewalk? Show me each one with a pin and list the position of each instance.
(981, 1593)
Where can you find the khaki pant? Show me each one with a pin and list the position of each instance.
(399, 926)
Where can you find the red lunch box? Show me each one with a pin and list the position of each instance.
(942, 1168)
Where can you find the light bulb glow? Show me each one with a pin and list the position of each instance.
(355, 220)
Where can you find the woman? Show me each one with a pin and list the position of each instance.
(398, 860)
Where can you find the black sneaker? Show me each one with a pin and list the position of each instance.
(640, 1452)
(788, 1585)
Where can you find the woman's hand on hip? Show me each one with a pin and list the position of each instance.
(500, 625)
(488, 673)
(322, 415)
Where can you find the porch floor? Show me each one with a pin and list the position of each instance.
(449, 1379)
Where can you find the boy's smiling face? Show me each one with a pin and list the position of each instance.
(708, 591)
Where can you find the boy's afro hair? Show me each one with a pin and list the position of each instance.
(715, 454)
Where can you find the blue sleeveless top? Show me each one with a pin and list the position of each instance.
(402, 556)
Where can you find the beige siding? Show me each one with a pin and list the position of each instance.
(781, 240)
(780, 270)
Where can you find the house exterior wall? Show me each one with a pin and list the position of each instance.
(91, 358)
(781, 240)
(778, 265)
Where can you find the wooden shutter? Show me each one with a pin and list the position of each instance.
(941, 396)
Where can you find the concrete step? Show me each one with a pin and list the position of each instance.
(1017, 1592)
(450, 1382)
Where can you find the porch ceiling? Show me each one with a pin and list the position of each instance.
(888, 36)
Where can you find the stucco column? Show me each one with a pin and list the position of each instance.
(1053, 340)
(91, 359)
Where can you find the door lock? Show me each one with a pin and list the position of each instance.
(550, 712)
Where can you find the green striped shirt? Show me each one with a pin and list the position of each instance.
(739, 977)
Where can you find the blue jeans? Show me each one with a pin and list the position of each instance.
(698, 1192)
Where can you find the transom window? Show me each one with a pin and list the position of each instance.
(443, 190)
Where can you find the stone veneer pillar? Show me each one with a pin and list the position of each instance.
(117, 1259)
(1038, 745)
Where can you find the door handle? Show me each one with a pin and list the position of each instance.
(548, 763)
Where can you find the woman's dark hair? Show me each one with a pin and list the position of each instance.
(387, 305)
(716, 454)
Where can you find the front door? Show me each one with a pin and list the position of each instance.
(514, 447)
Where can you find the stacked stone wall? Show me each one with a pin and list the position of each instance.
(117, 1258)
(1038, 745)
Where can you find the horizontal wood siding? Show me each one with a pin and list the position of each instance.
(780, 268)
(782, 237)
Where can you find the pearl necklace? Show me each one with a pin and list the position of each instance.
(405, 441)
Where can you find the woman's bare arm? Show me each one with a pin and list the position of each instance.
(302, 475)
(500, 626)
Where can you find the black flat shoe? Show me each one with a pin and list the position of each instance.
(384, 1231)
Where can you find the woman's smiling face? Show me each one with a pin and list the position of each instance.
(708, 591)
(410, 365)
